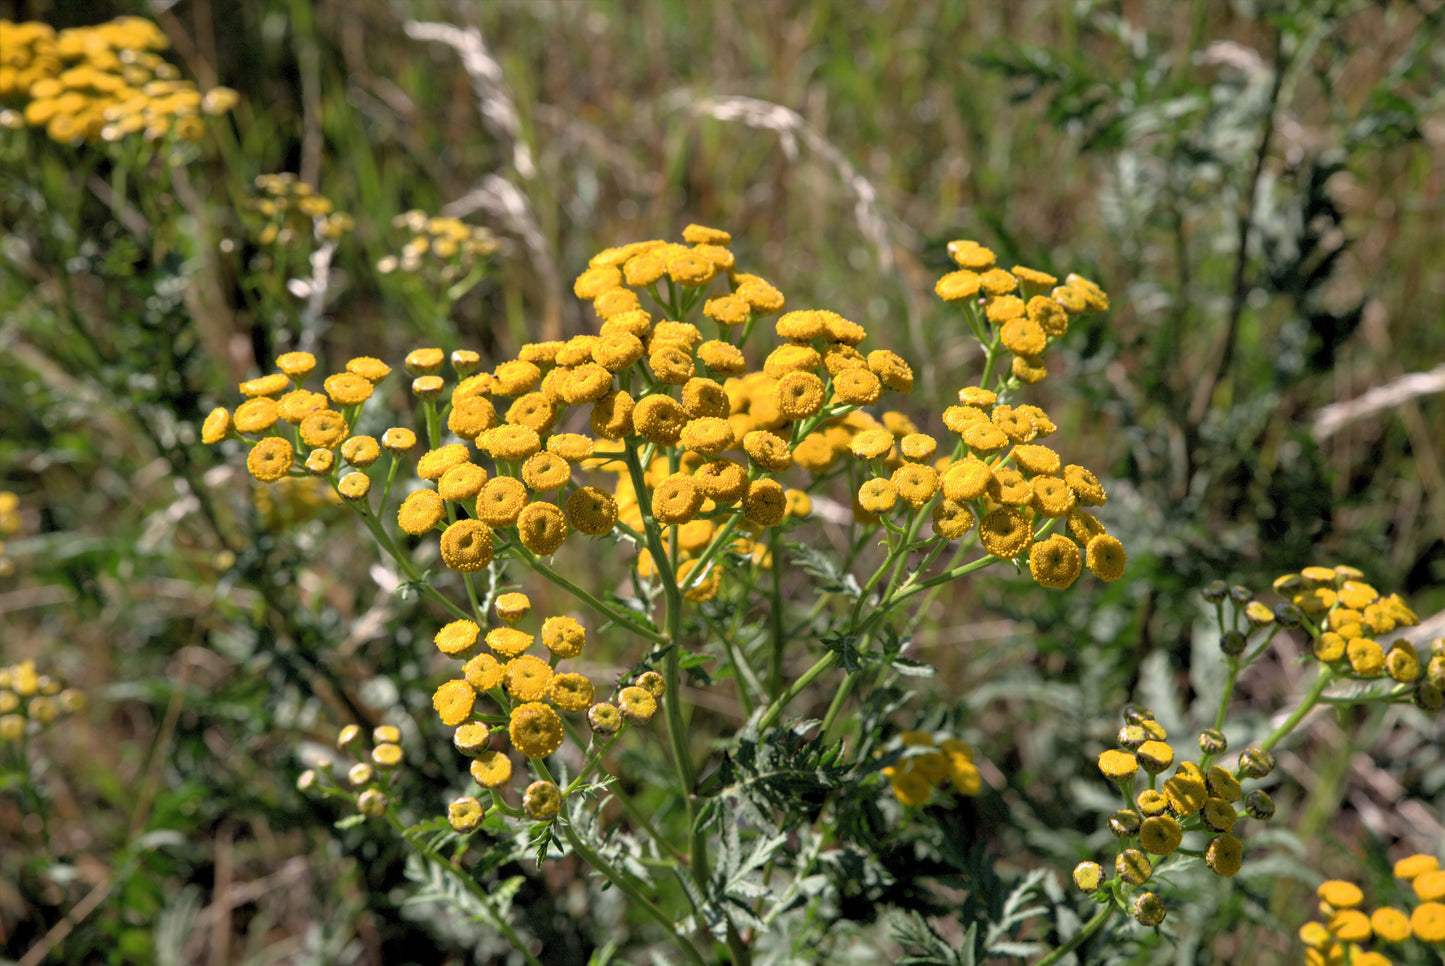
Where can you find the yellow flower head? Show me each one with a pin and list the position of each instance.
(1106, 556)
(348, 388)
(891, 370)
(571, 692)
(765, 503)
(1224, 855)
(1005, 533)
(500, 501)
(676, 499)
(916, 483)
(1118, 766)
(324, 429)
(272, 385)
(465, 814)
(398, 440)
(542, 528)
(270, 459)
(535, 729)
(457, 638)
(970, 254)
(467, 546)
(592, 511)
(1430, 886)
(1133, 867)
(731, 310)
(216, 427)
(952, 519)
(769, 451)
(527, 678)
(256, 415)
(1391, 925)
(361, 450)
(353, 486)
(1427, 922)
(453, 702)
(483, 672)
(492, 769)
(1160, 835)
(799, 395)
(659, 419)
(637, 704)
(723, 480)
(604, 718)
(957, 286)
(421, 511)
(1415, 865)
(708, 435)
(563, 636)
(542, 801)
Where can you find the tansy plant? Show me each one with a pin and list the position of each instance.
(710, 442)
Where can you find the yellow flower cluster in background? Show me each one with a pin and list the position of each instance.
(447, 247)
(100, 83)
(926, 766)
(369, 776)
(30, 700)
(1346, 618)
(1344, 924)
(284, 208)
(9, 526)
(1197, 798)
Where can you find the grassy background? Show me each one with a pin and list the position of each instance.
(842, 145)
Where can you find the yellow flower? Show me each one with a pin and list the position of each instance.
(500, 501)
(435, 462)
(690, 268)
(708, 435)
(1350, 925)
(361, 450)
(659, 419)
(916, 483)
(1133, 867)
(483, 672)
(457, 638)
(453, 702)
(491, 769)
(466, 546)
(1221, 784)
(256, 415)
(1402, 663)
(731, 309)
(799, 395)
(465, 814)
(542, 801)
(1218, 814)
(984, 438)
(891, 370)
(471, 416)
(420, 512)
(765, 502)
(1050, 496)
(1118, 766)
(1106, 556)
(1224, 855)
(527, 678)
(951, 519)
(1005, 533)
(768, 450)
(970, 254)
(270, 459)
(722, 358)
(1389, 924)
(957, 286)
(676, 499)
(535, 729)
(1085, 485)
(1094, 297)
(272, 385)
(1088, 876)
(542, 528)
(856, 387)
(996, 281)
(723, 480)
(877, 496)
(398, 440)
(1430, 886)
(348, 388)
(637, 704)
(353, 486)
(595, 281)
(1032, 276)
(323, 429)
(1156, 756)
(967, 479)
(1028, 369)
(462, 482)
(1149, 909)
(216, 427)
(870, 444)
(1367, 658)
(592, 511)
(563, 636)
(695, 234)
(1427, 922)
(570, 692)
(604, 718)
(1415, 865)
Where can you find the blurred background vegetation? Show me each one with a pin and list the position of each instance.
(1257, 184)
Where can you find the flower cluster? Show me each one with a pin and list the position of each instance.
(926, 765)
(284, 208)
(1344, 925)
(1022, 309)
(531, 697)
(444, 247)
(30, 700)
(101, 83)
(367, 779)
(1346, 619)
(1198, 798)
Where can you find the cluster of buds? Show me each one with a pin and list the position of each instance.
(367, 779)
(1200, 798)
(286, 209)
(444, 247)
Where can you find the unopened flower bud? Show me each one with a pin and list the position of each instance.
(371, 803)
(1133, 867)
(1215, 591)
(1233, 643)
(1256, 762)
(1149, 909)
(1213, 742)
(1124, 823)
(1259, 805)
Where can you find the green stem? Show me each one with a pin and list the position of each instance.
(1326, 676)
(775, 617)
(1079, 938)
(602, 607)
(628, 889)
(384, 539)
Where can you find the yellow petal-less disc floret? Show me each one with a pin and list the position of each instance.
(1005, 533)
(571, 692)
(542, 528)
(542, 801)
(637, 704)
(453, 702)
(491, 769)
(535, 729)
(421, 511)
(466, 546)
(1106, 557)
(1415, 865)
(270, 459)
(1118, 766)
(527, 678)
